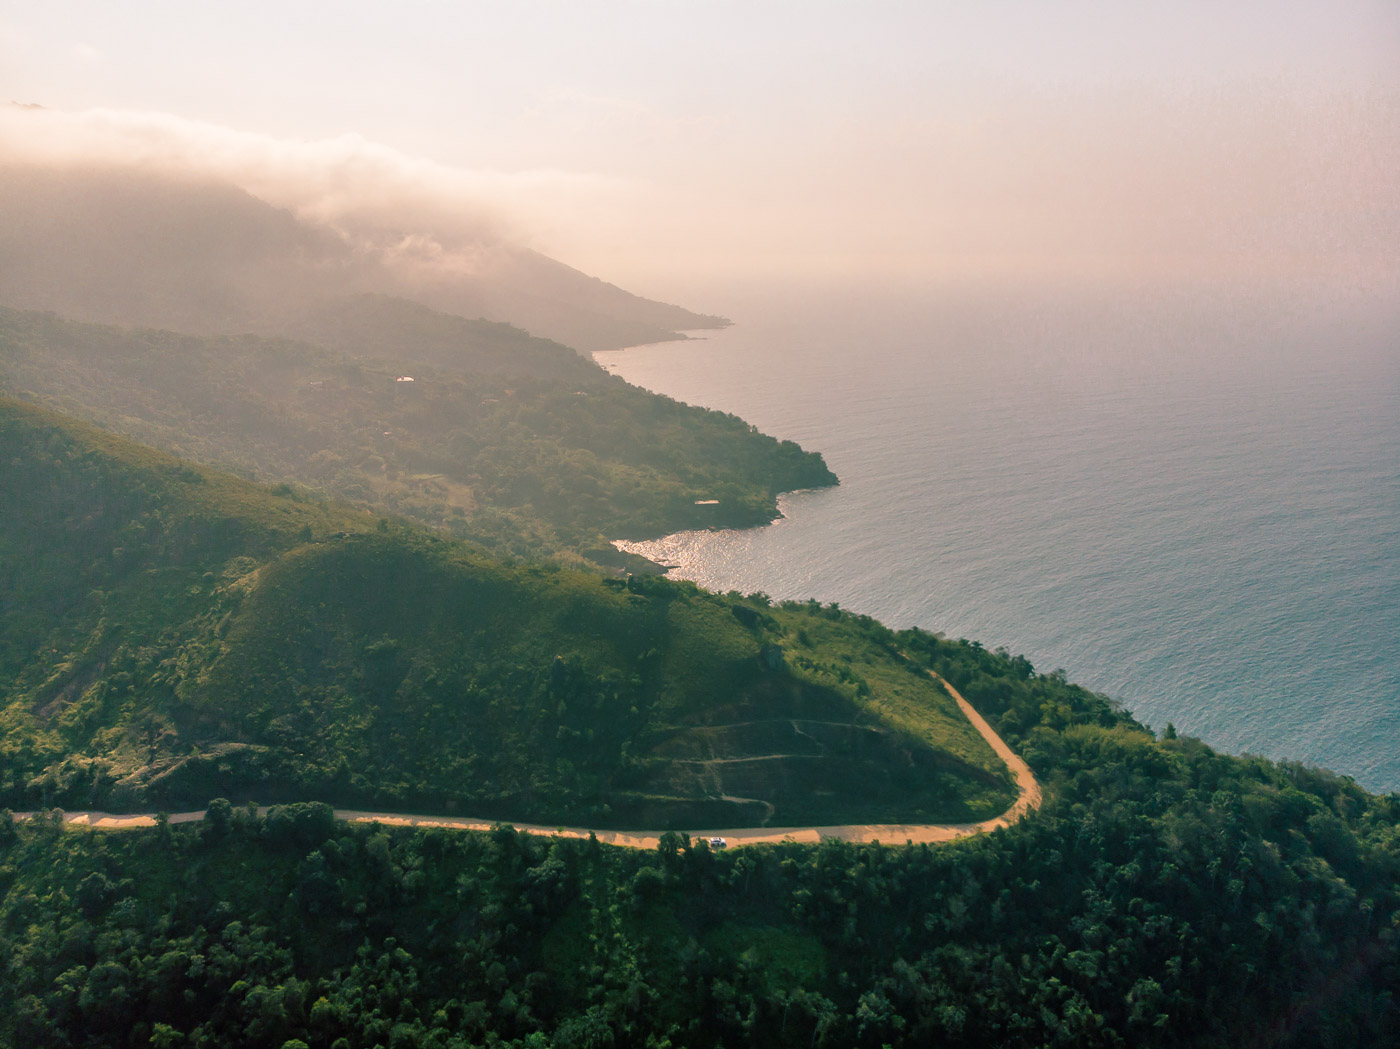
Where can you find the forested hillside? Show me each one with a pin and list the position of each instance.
(170, 633)
(517, 443)
(1165, 896)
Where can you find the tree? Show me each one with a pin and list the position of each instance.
(218, 819)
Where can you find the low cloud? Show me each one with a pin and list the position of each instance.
(149, 219)
(372, 195)
(1217, 185)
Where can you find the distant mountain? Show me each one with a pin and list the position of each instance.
(127, 246)
(169, 633)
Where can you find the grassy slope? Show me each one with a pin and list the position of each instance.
(172, 633)
(515, 442)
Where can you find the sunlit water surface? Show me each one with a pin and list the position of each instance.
(1190, 502)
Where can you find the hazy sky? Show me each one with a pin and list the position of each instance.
(662, 144)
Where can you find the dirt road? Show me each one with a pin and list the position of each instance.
(1028, 798)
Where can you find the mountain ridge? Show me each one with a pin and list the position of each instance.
(126, 245)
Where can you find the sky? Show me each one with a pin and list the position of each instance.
(665, 146)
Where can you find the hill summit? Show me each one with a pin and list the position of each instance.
(171, 633)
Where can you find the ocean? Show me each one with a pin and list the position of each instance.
(1188, 500)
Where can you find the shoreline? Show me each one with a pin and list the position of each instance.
(623, 545)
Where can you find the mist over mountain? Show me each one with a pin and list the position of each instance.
(183, 250)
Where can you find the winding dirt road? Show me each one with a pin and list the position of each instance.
(1028, 798)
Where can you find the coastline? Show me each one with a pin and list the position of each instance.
(635, 547)
(641, 563)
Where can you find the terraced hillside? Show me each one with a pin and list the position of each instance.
(172, 634)
(751, 767)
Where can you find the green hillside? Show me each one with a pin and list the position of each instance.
(1164, 896)
(169, 633)
(517, 443)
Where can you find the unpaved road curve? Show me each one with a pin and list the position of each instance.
(1028, 798)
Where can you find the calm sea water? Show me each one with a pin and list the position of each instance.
(1188, 501)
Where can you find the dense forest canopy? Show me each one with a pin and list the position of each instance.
(1165, 895)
